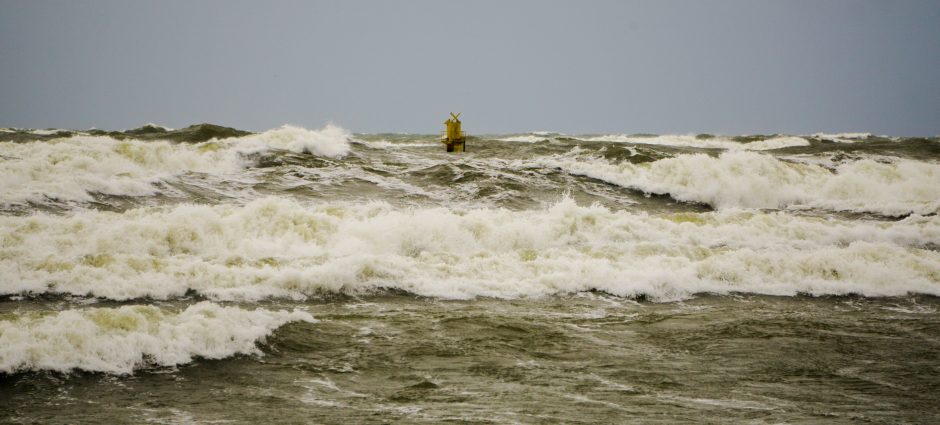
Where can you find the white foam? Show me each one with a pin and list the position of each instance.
(752, 180)
(279, 248)
(120, 340)
(716, 142)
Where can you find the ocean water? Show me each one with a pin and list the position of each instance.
(212, 275)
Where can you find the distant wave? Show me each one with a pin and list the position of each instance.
(753, 180)
(120, 340)
(385, 144)
(711, 142)
(525, 138)
(150, 125)
(843, 137)
(47, 132)
(275, 247)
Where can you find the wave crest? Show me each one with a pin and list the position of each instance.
(120, 340)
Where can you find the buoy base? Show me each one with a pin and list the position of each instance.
(455, 145)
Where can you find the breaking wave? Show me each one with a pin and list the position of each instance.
(72, 169)
(753, 180)
(330, 141)
(75, 168)
(120, 340)
(276, 247)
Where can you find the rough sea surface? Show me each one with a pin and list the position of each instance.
(212, 275)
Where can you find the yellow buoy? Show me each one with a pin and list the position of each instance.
(452, 136)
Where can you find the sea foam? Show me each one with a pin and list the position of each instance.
(120, 340)
(276, 247)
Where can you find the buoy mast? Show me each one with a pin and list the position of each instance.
(452, 136)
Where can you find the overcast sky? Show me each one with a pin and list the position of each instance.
(727, 67)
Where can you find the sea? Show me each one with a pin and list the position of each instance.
(213, 275)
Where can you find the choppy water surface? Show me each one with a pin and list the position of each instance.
(213, 275)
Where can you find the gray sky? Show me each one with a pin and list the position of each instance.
(729, 67)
